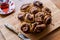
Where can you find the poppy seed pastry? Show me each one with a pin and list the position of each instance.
(25, 27)
(25, 7)
(21, 16)
(29, 17)
(34, 10)
(47, 19)
(38, 4)
(36, 17)
(47, 11)
(39, 28)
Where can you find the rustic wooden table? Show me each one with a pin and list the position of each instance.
(55, 35)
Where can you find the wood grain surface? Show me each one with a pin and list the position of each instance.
(13, 20)
(57, 3)
(55, 35)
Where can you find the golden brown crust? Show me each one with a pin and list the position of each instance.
(29, 17)
(25, 27)
(25, 7)
(47, 19)
(38, 4)
(39, 28)
(21, 16)
(34, 10)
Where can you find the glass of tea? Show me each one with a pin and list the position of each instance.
(4, 5)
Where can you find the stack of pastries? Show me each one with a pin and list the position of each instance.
(34, 17)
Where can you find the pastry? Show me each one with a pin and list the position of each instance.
(25, 27)
(47, 19)
(47, 11)
(25, 7)
(38, 4)
(36, 16)
(39, 28)
(29, 17)
(34, 10)
(21, 16)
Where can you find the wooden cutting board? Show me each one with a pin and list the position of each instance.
(13, 20)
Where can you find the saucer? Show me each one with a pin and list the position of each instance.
(10, 9)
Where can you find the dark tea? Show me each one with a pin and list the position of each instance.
(4, 5)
